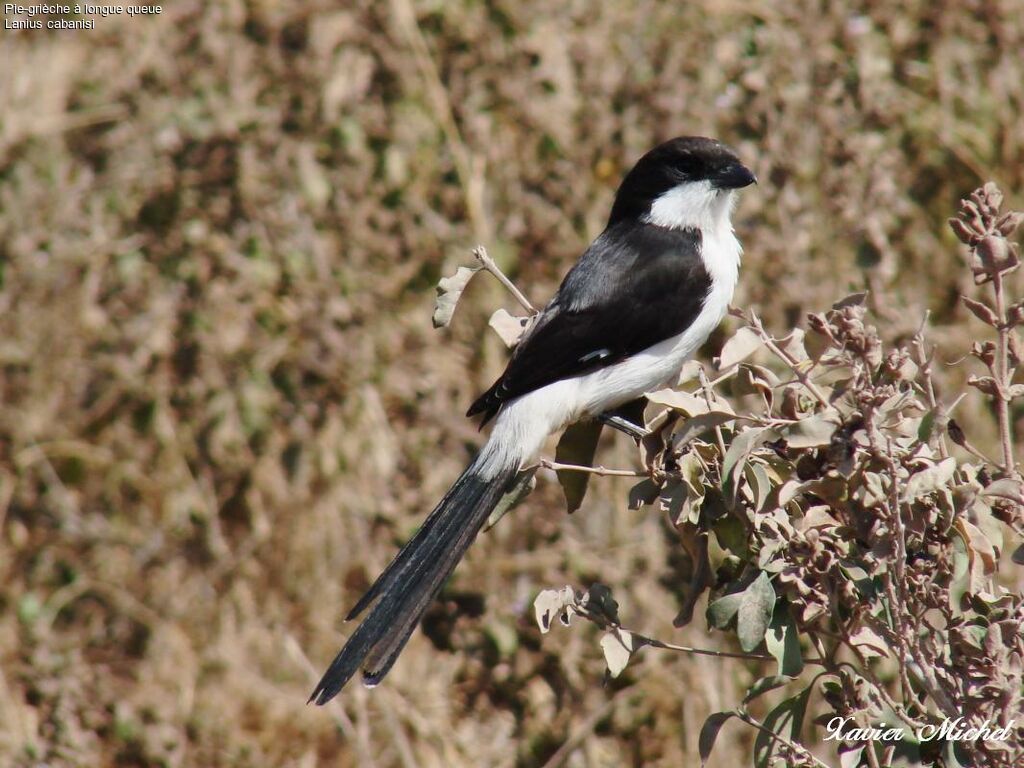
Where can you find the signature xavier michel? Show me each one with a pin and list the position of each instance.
(948, 730)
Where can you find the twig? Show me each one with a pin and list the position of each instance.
(864, 671)
(796, 748)
(1003, 375)
(924, 364)
(895, 592)
(969, 447)
(869, 750)
(706, 388)
(768, 341)
(480, 254)
(699, 651)
(599, 470)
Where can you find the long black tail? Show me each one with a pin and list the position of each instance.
(411, 582)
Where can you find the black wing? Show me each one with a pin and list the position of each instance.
(636, 285)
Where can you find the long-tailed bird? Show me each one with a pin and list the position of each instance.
(640, 301)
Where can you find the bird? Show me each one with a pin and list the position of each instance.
(640, 301)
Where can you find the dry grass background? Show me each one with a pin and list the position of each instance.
(223, 403)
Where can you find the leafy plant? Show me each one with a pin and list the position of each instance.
(842, 524)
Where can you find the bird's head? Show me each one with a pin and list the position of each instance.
(685, 182)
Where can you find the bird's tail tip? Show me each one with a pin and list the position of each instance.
(401, 594)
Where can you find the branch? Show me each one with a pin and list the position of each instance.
(706, 387)
(768, 341)
(480, 253)
(1003, 376)
(699, 651)
(793, 746)
(603, 471)
(924, 365)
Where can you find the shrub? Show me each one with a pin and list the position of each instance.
(841, 524)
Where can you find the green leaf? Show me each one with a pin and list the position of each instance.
(764, 685)
(643, 493)
(709, 732)
(722, 611)
(786, 720)
(577, 446)
(685, 402)
(692, 473)
(695, 426)
(929, 480)
(926, 427)
(755, 612)
(731, 534)
(741, 447)
(813, 431)
(29, 608)
(758, 483)
(783, 642)
(853, 300)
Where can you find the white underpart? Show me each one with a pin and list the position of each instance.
(523, 424)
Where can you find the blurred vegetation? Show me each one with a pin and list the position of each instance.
(223, 402)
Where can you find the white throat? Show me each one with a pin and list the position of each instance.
(692, 205)
(697, 205)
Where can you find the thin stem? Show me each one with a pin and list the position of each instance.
(797, 748)
(700, 651)
(480, 253)
(864, 671)
(967, 446)
(1003, 376)
(896, 601)
(788, 359)
(706, 388)
(924, 364)
(869, 750)
(599, 470)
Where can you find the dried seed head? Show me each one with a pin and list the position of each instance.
(1015, 314)
(994, 252)
(965, 234)
(992, 197)
(1016, 349)
(984, 384)
(984, 351)
(1008, 224)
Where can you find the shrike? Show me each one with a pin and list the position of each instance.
(640, 301)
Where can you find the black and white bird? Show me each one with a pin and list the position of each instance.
(641, 300)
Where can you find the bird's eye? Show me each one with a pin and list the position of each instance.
(680, 173)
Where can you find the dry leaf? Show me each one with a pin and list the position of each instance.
(618, 645)
(551, 603)
(737, 349)
(449, 291)
(510, 328)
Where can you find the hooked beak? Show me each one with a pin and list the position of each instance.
(734, 176)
